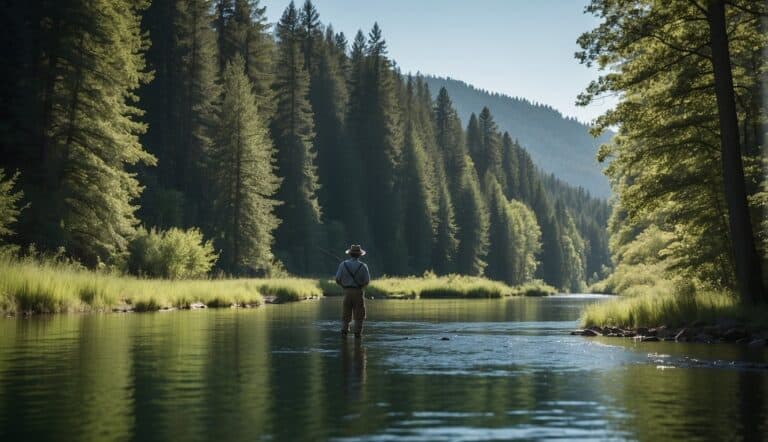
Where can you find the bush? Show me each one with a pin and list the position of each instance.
(9, 210)
(172, 254)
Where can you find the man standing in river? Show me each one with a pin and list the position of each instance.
(353, 276)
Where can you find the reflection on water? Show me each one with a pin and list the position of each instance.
(353, 370)
(424, 371)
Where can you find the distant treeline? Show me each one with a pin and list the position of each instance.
(280, 145)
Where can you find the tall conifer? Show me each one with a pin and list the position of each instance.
(247, 33)
(242, 165)
(297, 238)
(472, 221)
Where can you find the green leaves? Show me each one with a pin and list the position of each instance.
(171, 254)
(665, 164)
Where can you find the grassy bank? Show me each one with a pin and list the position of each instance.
(452, 286)
(28, 286)
(673, 309)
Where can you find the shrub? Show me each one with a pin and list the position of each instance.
(172, 254)
(9, 210)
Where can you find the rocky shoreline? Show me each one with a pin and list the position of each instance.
(710, 334)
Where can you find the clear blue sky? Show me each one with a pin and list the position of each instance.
(521, 48)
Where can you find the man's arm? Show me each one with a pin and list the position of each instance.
(338, 275)
(366, 276)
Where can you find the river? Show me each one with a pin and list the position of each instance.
(425, 370)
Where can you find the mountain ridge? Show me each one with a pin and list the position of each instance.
(557, 144)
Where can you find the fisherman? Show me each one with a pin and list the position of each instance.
(353, 276)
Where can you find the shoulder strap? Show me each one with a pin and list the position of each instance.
(353, 274)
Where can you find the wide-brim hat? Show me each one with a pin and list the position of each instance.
(355, 249)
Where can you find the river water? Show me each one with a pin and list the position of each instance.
(426, 370)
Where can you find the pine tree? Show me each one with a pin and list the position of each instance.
(310, 35)
(446, 238)
(449, 138)
(180, 107)
(91, 133)
(489, 155)
(474, 139)
(443, 131)
(292, 130)
(242, 165)
(551, 255)
(506, 243)
(329, 98)
(162, 202)
(472, 221)
(510, 168)
(375, 130)
(224, 9)
(247, 33)
(196, 44)
(353, 207)
(419, 227)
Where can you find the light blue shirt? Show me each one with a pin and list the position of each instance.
(353, 273)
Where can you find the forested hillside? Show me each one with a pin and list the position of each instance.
(278, 144)
(558, 144)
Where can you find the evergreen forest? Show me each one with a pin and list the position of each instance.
(279, 145)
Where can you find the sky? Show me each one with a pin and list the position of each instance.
(521, 48)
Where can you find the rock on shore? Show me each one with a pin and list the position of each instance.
(752, 336)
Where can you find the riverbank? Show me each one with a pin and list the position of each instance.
(680, 317)
(28, 287)
(439, 287)
(726, 332)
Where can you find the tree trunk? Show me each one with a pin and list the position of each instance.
(748, 271)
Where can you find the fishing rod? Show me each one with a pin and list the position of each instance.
(327, 252)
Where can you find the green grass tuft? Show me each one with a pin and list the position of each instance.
(289, 289)
(451, 286)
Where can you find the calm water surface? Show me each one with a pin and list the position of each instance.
(508, 370)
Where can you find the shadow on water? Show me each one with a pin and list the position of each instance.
(425, 370)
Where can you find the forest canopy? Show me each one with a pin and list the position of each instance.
(276, 144)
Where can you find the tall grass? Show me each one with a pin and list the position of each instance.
(451, 286)
(651, 295)
(289, 289)
(50, 287)
(673, 309)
